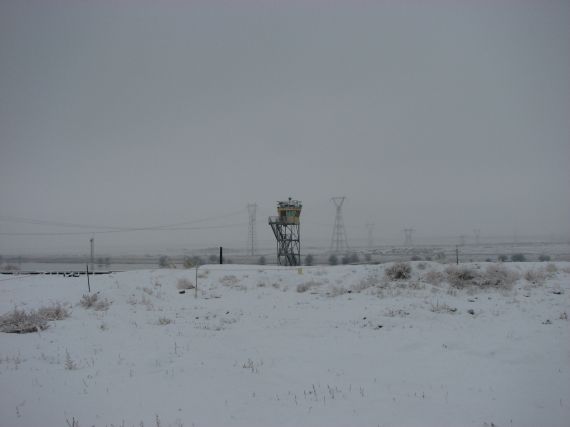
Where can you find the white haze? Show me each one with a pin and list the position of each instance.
(442, 116)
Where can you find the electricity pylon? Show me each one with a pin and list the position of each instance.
(370, 229)
(477, 233)
(408, 236)
(251, 235)
(339, 242)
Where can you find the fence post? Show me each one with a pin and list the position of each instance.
(196, 284)
(87, 274)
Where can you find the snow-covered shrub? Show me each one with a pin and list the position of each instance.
(20, 322)
(69, 364)
(93, 301)
(536, 277)
(422, 266)
(87, 301)
(164, 321)
(442, 308)
(396, 313)
(497, 275)
(365, 283)
(337, 291)
(460, 277)
(551, 268)
(304, 287)
(398, 271)
(229, 280)
(434, 277)
(184, 284)
(53, 312)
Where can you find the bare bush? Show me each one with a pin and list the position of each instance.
(460, 277)
(442, 308)
(164, 321)
(53, 312)
(551, 268)
(93, 301)
(365, 283)
(304, 287)
(536, 277)
(87, 301)
(398, 271)
(69, 363)
(20, 322)
(229, 280)
(337, 291)
(434, 277)
(184, 284)
(497, 275)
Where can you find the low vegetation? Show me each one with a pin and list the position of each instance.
(398, 271)
(184, 284)
(22, 322)
(93, 301)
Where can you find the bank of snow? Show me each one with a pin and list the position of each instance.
(263, 346)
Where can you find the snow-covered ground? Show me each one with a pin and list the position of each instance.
(321, 346)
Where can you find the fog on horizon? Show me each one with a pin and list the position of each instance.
(151, 125)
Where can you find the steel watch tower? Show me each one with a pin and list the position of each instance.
(286, 227)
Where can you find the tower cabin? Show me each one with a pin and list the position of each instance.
(289, 211)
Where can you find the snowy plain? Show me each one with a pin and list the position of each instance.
(270, 346)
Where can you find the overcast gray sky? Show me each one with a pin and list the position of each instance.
(441, 115)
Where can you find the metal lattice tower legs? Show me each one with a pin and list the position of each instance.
(252, 235)
(408, 236)
(286, 227)
(370, 230)
(339, 242)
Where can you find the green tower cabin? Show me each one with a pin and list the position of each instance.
(286, 227)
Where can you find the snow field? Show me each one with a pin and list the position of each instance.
(266, 346)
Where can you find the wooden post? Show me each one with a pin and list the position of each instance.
(88, 285)
(221, 257)
(196, 283)
(457, 255)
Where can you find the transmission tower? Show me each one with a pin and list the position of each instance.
(477, 233)
(462, 240)
(339, 242)
(408, 236)
(370, 229)
(251, 235)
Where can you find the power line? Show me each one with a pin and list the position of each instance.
(9, 218)
(82, 233)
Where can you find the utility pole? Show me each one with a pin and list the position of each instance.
(251, 236)
(408, 236)
(339, 242)
(370, 229)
